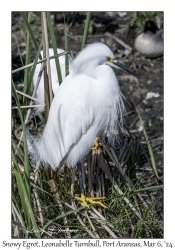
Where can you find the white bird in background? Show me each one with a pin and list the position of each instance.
(87, 104)
(150, 42)
(55, 82)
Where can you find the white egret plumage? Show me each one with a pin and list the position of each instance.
(86, 105)
(54, 76)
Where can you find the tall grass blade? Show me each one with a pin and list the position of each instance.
(54, 46)
(16, 203)
(34, 67)
(153, 188)
(23, 14)
(26, 157)
(19, 51)
(26, 71)
(66, 48)
(48, 92)
(62, 216)
(30, 219)
(86, 28)
(19, 225)
(153, 163)
(20, 185)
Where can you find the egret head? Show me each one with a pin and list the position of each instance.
(116, 64)
(92, 56)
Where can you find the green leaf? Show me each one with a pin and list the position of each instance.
(66, 49)
(30, 219)
(23, 14)
(26, 157)
(153, 188)
(153, 163)
(54, 46)
(86, 28)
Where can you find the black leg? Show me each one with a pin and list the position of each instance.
(80, 178)
(83, 198)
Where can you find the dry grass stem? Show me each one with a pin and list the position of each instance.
(28, 106)
(43, 60)
(30, 97)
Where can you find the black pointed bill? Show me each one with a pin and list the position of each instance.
(121, 66)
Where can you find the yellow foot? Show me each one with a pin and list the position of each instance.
(96, 145)
(85, 199)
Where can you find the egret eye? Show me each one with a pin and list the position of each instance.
(110, 59)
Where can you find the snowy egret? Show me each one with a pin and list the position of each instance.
(87, 104)
(55, 82)
(150, 42)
